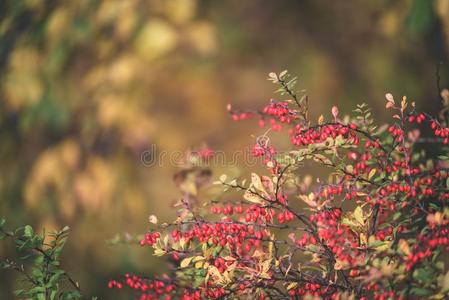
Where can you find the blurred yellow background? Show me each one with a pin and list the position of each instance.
(86, 86)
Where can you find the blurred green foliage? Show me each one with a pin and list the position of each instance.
(46, 279)
(87, 85)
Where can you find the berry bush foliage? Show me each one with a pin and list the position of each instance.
(44, 279)
(377, 227)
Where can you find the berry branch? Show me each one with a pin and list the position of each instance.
(376, 227)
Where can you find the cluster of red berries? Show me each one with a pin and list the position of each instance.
(262, 150)
(150, 290)
(313, 135)
(211, 292)
(253, 213)
(158, 289)
(379, 294)
(241, 238)
(397, 132)
(418, 119)
(285, 216)
(281, 111)
(442, 132)
(256, 213)
(191, 295)
(330, 190)
(150, 238)
(268, 153)
(227, 209)
(242, 116)
(426, 244)
(382, 234)
(308, 290)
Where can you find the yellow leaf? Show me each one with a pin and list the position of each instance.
(186, 262)
(216, 275)
(383, 247)
(252, 197)
(227, 258)
(321, 120)
(445, 283)
(349, 222)
(358, 215)
(404, 247)
(316, 258)
(227, 277)
(270, 248)
(258, 253)
(371, 173)
(340, 265)
(257, 183)
(206, 279)
(182, 243)
(266, 265)
(292, 285)
(309, 200)
(198, 258)
(363, 239)
(350, 169)
(159, 252)
(388, 269)
(404, 103)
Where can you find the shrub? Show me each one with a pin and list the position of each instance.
(376, 227)
(45, 279)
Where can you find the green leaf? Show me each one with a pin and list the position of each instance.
(25, 245)
(55, 277)
(71, 295)
(39, 260)
(38, 290)
(375, 243)
(28, 231)
(420, 291)
(424, 274)
(380, 177)
(397, 215)
(53, 294)
(19, 292)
